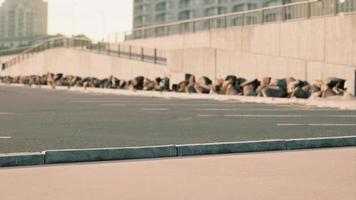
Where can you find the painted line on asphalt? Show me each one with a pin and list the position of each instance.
(197, 104)
(113, 104)
(321, 125)
(259, 116)
(292, 116)
(154, 109)
(202, 115)
(5, 137)
(342, 116)
(260, 109)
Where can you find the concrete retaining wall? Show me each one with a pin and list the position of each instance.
(311, 49)
(111, 154)
(84, 64)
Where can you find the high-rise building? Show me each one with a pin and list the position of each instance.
(23, 19)
(153, 12)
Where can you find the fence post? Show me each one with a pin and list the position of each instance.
(336, 6)
(130, 51)
(119, 50)
(108, 47)
(308, 10)
(225, 19)
(155, 56)
(142, 54)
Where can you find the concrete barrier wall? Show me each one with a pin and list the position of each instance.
(83, 63)
(310, 49)
(218, 63)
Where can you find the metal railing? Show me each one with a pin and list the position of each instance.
(285, 12)
(126, 51)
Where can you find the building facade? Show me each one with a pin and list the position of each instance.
(23, 19)
(153, 12)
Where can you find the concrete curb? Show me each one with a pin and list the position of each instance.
(113, 154)
(22, 159)
(313, 143)
(234, 147)
(108, 154)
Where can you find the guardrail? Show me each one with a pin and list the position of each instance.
(285, 12)
(126, 51)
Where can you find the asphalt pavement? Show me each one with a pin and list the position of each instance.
(33, 120)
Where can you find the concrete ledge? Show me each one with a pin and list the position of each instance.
(108, 154)
(312, 143)
(112, 154)
(225, 148)
(21, 159)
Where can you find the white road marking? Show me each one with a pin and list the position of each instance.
(281, 116)
(202, 115)
(342, 116)
(154, 109)
(292, 116)
(113, 104)
(93, 101)
(261, 109)
(5, 137)
(322, 125)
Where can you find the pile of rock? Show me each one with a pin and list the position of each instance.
(266, 87)
(231, 85)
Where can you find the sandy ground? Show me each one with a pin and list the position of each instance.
(328, 174)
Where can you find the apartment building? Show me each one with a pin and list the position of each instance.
(21, 20)
(153, 12)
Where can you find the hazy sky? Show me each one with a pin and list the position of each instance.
(96, 18)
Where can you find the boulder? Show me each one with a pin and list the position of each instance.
(254, 83)
(272, 91)
(248, 90)
(301, 92)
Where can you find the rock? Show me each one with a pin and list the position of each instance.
(215, 88)
(254, 83)
(137, 83)
(281, 84)
(148, 85)
(230, 90)
(265, 81)
(204, 81)
(248, 90)
(301, 92)
(335, 82)
(328, 92)
(203, 85)
(272, 91)
(315, 95)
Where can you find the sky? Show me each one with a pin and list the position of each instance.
(96, 18)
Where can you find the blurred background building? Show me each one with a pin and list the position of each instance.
(22, 22)
(153, 12)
